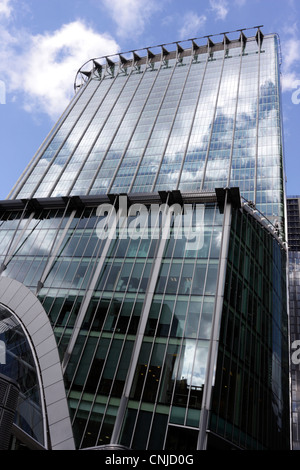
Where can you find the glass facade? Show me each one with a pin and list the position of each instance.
(293, 223)
(171, 365)
(136, 225)
(293, 219)
(192, 119)
(253, 361)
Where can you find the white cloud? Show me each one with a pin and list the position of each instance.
(5, 8)
(220, 7)
(290, 45)
(291, 52)
(130, 16)
(289, 81)
(192, 24)
(43, 67)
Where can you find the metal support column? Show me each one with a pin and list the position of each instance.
(214, 340)
(141, 328)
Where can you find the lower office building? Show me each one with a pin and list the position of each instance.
(159, 337)
(293, 219)
(143, 287)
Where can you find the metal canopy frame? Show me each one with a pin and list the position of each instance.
(98, 67)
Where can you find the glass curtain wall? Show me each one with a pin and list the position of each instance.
(294, 283)
(253, 365)
(293, 214)
(168, 381)
(166, 393)
(204, 118)
(62, 248)
(170, 372)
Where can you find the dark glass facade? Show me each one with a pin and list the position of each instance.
(150, 228)
(253, 361)
(293, 219)
(293, 223)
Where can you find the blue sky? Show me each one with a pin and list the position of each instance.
(44, 42)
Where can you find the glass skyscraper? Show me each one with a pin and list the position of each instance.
(144, 258)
